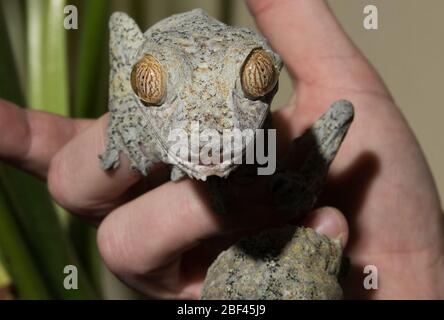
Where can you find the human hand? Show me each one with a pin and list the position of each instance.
(156, 241)
(161, 241)
(380, 178)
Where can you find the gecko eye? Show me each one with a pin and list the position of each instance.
(148, 80)
(258, 75)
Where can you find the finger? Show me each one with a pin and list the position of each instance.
(330, 222)
(77, 181)
(153, 230)
(311, 41)
(29, 139)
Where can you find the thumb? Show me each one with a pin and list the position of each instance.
(330, 222)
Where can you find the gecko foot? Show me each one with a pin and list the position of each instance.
(296, 191)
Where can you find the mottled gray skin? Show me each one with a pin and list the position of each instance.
(202, 58)
(283, 264)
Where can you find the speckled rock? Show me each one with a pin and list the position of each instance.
(291, 263)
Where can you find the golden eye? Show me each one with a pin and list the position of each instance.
(148, 80)
(259, 75)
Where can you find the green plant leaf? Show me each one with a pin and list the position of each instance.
(47, 56)
(36, 12)
(5, 279)
(41, 228)
(14, 24)
(55, 60)
(91, 90)
(17, 257)
(10, 88)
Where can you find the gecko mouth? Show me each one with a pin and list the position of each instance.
(198, 168)
(222, 163)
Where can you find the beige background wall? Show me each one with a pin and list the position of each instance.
(407, 49)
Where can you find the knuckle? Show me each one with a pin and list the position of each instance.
(108, 245)
(57, 182)
(114, 248)
(64, 190)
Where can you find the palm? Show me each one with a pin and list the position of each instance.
(375, 179)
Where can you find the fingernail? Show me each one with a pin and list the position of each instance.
(330, 225)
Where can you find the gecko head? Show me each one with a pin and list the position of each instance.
(201, 88)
